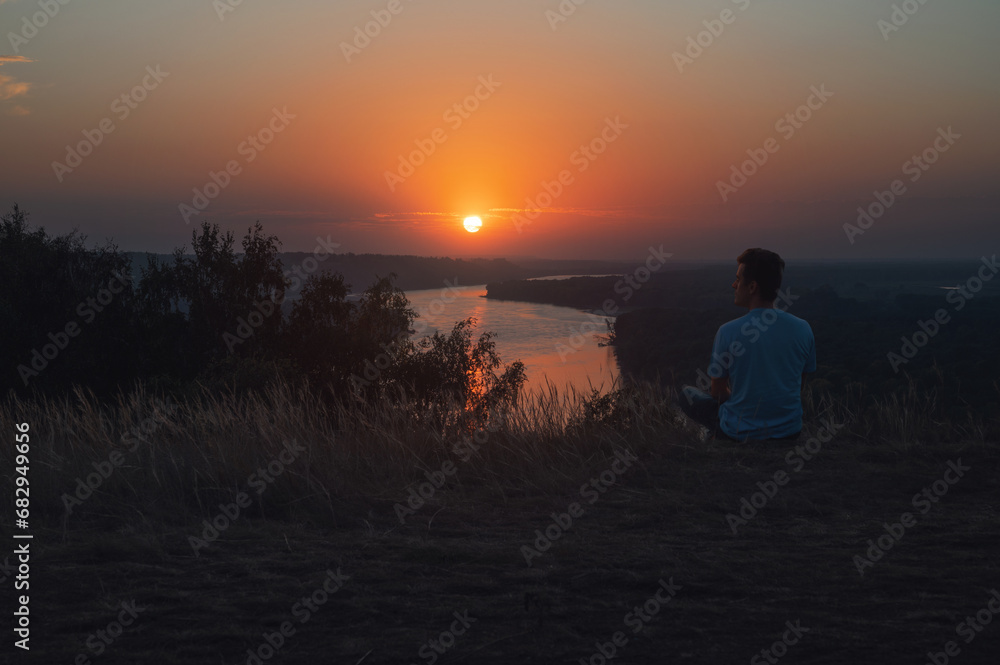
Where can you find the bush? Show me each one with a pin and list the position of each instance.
(214, 320)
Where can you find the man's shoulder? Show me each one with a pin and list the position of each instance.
(733, 326)
(755, 319)
(793, 320)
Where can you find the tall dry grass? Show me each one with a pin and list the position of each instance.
(179, 460)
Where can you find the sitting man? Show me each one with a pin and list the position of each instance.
(758, 361)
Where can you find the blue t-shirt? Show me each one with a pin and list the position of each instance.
(764, 354)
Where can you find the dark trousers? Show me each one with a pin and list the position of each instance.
(702, 408)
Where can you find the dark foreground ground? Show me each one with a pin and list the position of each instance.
(664, 519)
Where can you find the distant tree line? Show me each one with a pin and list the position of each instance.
(73, 316)
(883, 344)
(878, 348)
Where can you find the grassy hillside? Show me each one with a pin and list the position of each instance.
(615, 498)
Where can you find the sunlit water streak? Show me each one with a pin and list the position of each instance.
(528, 332)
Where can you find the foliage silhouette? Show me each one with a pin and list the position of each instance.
(217, 319)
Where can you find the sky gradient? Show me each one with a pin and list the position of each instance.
(490, 104)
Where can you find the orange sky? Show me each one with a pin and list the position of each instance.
(505, 99)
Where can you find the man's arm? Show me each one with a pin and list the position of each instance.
(720, 389)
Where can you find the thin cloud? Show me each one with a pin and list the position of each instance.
(410, 216)
(495, 213)
(394, 214)
(426, 219)
(9, 88)
(269, 212)
(611, 213)
(441, 215)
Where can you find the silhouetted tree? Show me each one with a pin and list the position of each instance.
(318, 336)
(215, 303)
(451, 367)
(65, 310)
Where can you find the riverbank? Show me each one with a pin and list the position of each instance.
(885, 345)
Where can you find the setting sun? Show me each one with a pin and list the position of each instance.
(473, 224)
(496, 249)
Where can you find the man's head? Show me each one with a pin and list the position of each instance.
(758, 278)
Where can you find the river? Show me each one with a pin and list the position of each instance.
(558, 345)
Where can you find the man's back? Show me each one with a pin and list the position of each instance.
(770, 349)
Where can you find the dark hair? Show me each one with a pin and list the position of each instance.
(765, 268)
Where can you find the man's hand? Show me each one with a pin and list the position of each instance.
(720, 389)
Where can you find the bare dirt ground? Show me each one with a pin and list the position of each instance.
(456, 573)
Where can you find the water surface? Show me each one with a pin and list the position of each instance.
(558, 344)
